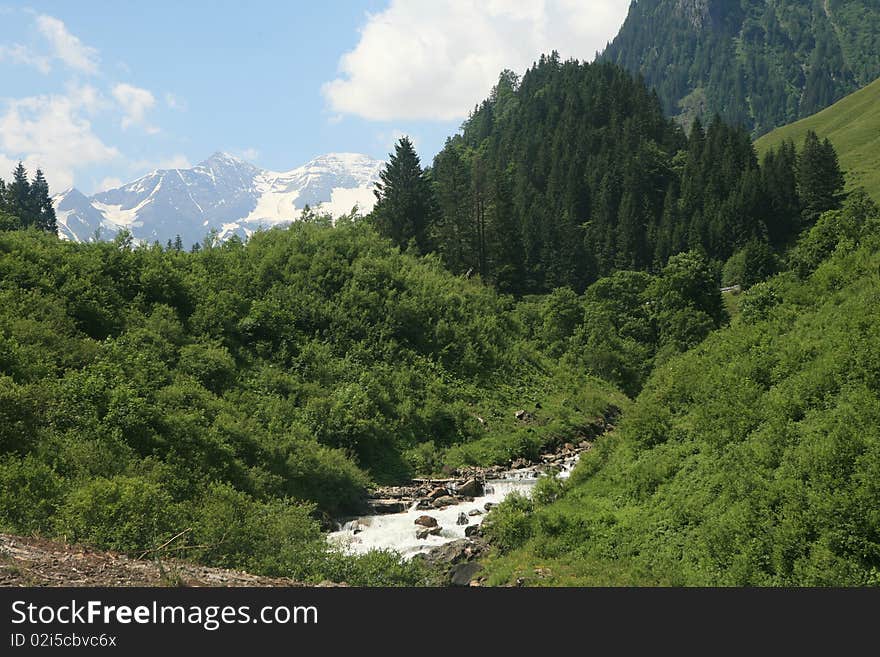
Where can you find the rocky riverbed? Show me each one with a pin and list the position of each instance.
(440, 520)
(467, 483)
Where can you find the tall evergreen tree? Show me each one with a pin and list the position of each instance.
(779, 186)
(819, 178)
(42, 212)
(18, 196)
(454, 232)
(405, 206)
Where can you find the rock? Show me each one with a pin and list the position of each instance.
(523, 415)
(449, 553)
(470, 488)
(463, 573)
(446, 500)
(462, 519)
(386, 506)
(424, 504)
(473, 530)
(437, 492)
(489, 506)
(426, 521)
(352, 526)
(475, 512)
(424, 532)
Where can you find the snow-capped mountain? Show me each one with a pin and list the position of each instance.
(223, 193)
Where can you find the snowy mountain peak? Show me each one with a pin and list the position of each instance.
(222, 193)
(223, 159)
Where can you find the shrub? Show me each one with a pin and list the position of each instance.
(32, 492)
(122, 513)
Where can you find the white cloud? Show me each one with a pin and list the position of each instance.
(176, 161)
(52, 132)
(109, 183)
(420, 60)
(20, 54)
(390, 138)
(135, 103)
(67, 47)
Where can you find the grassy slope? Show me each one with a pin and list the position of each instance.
(853, 126)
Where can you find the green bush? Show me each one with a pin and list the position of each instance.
(32, 493)
(509, 525)
(122, 513)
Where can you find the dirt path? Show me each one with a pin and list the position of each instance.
(26, 561)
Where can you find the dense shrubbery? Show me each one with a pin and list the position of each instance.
(629, 321)
(753, 459)
(246, 391)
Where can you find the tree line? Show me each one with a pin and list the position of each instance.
(26, 203)
(573, 173)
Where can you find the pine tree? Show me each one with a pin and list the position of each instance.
(18, 196)
(819, 178)
(779, 186)
(42, 212)
(453, 233)
(405, 206)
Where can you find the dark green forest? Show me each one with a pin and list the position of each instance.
(573, 173)
(758, 63)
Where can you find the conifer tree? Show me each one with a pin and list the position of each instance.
(42, 212)
(18, 196)
(405, 206)
(819, 178)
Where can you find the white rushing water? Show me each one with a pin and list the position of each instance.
(397, 531)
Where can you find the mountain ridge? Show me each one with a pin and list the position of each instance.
(223, 193)
(761, 63)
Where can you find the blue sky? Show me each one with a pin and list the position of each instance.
(98, 93)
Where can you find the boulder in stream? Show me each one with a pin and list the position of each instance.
(379, 507)
(462, 519)
(472, 530)
(424, 532)
(446, 500)
(475, 512)
(437, 492)
(426, 521)
(470, 488)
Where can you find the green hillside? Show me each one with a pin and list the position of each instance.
(753, 459)
(247, 390)
(853, 126)
(762, 63)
